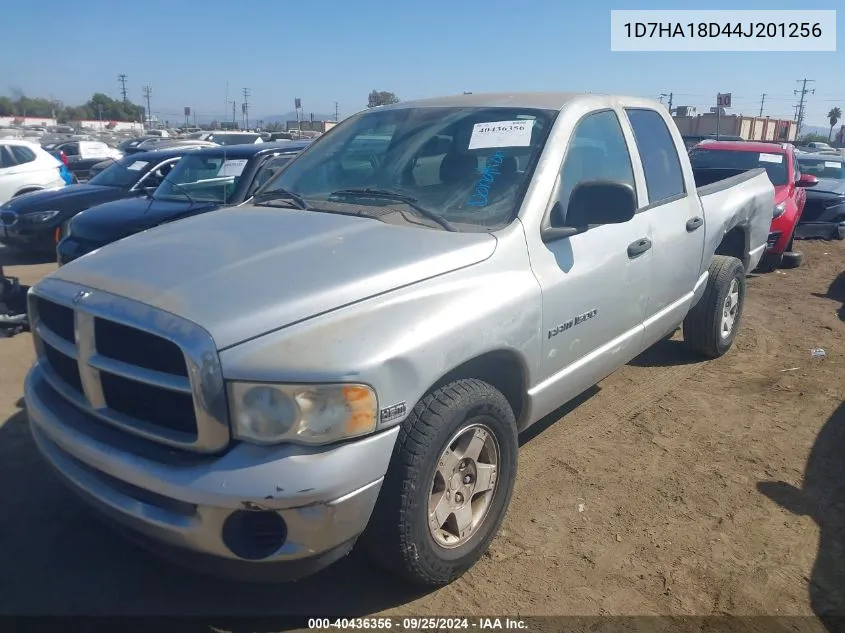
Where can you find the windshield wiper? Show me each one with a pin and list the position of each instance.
(281, 194)
(398, 197)
(184, 190)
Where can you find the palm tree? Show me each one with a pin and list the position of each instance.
(833, 116)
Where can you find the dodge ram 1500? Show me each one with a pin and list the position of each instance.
(350, 356)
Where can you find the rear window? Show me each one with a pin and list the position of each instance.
(233, 139)
(121, 173)
(739, 161)
(822, 168)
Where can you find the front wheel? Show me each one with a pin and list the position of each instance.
(712, 324)
(448, 486)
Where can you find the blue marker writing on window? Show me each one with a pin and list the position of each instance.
(491, 169)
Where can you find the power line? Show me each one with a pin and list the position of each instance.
(148, 90)
(122, 79)
(803, 92)
(245, 107)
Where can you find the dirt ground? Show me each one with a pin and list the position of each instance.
(674, 487)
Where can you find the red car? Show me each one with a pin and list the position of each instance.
(779, 161)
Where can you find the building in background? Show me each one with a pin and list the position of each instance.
(749, 128)
(310, 126)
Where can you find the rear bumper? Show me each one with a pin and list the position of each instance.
(184, 509)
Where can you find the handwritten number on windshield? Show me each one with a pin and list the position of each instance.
(480, 197)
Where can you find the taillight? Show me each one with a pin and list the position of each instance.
(63, 158)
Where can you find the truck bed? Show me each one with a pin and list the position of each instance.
(736, 199)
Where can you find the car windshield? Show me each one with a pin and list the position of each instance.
(469, 166)
(202, 178)
(121, 173)
(822, 168)
(228, 138)
(740, 160)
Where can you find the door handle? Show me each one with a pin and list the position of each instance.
(694, 223)
(635, 249)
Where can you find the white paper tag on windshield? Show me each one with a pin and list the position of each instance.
(771, 158)
(501, 134)
(832, 165)
(138, 165)
(232, 167)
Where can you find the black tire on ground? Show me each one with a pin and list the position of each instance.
(839, 234)
(770, 262)
(792, 259)
(703, 325)
(398, 537)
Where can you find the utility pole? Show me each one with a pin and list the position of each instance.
(234, 103)
(148, 90)
(803, 92)
(670, 96)
(122, 79)
(246, 107)
(762, 101)
(335, 110)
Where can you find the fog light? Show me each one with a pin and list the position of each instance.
(254, 534)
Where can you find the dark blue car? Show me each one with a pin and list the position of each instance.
(202, 181)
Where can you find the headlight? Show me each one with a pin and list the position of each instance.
(41, 216)
(779, 209)
(304, 414)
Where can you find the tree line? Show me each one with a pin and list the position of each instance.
(99, 106)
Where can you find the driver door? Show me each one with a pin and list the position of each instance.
(595, 284)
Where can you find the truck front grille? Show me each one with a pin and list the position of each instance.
(145, 371)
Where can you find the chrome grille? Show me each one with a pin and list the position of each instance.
(137, 368)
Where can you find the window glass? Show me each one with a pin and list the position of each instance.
(597, 151)
(663, 175)
(733, 162)
(22, 154)
(6, 158)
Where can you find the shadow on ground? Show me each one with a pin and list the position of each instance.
(57, 559)
(836, 292)
(822, 497)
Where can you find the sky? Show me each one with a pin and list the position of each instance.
(340, 50)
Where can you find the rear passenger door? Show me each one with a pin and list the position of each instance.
(675, 220)
(10, 181)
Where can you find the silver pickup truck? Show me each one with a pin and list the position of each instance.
(350, 355)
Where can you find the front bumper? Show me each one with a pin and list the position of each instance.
(70, 248)
(40, 238)
(179, 504)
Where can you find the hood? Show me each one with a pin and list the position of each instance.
(69, 198)
(245, 271)
(828, 186)
(115, 220)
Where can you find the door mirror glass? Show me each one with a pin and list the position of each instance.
(600, 202)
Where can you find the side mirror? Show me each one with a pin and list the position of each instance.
(592, 204)
(807, 180)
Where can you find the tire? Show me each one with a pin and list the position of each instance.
(770, 262)
(399, 537)
(704, 325)
(792, 259)
(840, 232)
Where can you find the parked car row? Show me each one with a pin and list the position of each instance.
(137, 192)
(809, 190)
(348, 355)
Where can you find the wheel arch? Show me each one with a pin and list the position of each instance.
(504, 369)
(735, 243)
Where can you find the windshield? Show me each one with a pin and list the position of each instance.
(468, 166)
(228, 138)
(774, 164)
(121, 173)
(822, 168)
(202, 178)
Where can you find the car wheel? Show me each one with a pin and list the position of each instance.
(840, 232)
(712, 324)
(448, 486)
(792, 259)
